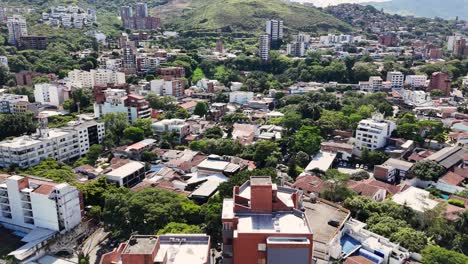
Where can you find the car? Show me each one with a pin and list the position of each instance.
(357, 166)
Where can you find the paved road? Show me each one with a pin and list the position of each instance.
(91, 245)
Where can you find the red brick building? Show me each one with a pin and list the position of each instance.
(389, 39)
(171, 73)
(440, 81)
(460, 47)
(263, 223)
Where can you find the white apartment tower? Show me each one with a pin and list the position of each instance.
(373, 133)
(296, 49)
(396, 78)
(17, 28)
(264, 47)
(274, 28)
(416, 81)
(28, 203)
(49, 94)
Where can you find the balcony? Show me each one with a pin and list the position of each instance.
(27, 213)
(29, 221)
(27, 206)
(4, 201)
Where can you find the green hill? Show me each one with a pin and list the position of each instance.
(250, 15)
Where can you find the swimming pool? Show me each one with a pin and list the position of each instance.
(349, 244)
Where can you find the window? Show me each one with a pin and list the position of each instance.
(261, 247)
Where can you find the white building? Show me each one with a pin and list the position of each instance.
(101, 77)
(127, 173)
(17, 28)
(373, 133)
(240, 97)
(296, 49)
(179, 126)
(416, 81)
(49, 94)
(374, 84)
(62, 144)
(264, 47)
(465, 82)
(451, 41)
(331, 39)
(174, 87)
(416, 98)
(396, 78)
(117, 101)
(29, 203)
(7, 102)
(417, 199)
(274, 28)
(4, 61)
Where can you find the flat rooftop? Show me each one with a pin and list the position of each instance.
(260, 181)
(183, 249)
(126, 169)
(318, 215)
(140, 245)
(286, 223)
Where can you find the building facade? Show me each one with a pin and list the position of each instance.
(416, 81)
(17, 28)
(100, 77)
(263, 223)
(274, 29)
(49, 94)
(7, 102)
(61, 144)
(373, 133)
(396, 78)
(28, 203)
(440, 81)
(264, 47)
(117, 101)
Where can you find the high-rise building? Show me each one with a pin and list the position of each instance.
(62, 144)
(263, 223)
(451, 41)
(274, 29)
(173, 87)
(460, 47)
(30, 202)
(219, 46)
(126, 11)
(141, 10)
(17, 28)
(396, 78)
(296, 49)
(440, 81)
(49, 94)
(128, 58)
(389, 39)
(264, 47)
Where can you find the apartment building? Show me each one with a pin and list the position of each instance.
(30, 202)
(374, 84)
(373, 133)
(416, 81)
(62, 144)
(296, 49)
(170, 248)
(101, 77)
(169, 73)
(117, 101)
(263, 223)
(440, 81)
(174, 87)
(264, 47)
(274, 29)
(179, 126)
(396, 78)
(34, 42)
(240, 97)
(17, 28)
(49, 94)
(7, 102)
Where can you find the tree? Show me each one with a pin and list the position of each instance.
(438, 255)
(16, 125)
(335, 186)
(265, 149)
(52, 169)
(214, 132)
(201, 109)
(115, 124)
(197, 75)
(292, 167)
(307, 139)
(292, 121)
(360, 175)
(145, 125)
(94, 153)
(427, 170)
(134, 134)
(373, 158)
(148, 156)
(385, 225)
(179, 228)
(302, 158)
(407, 237)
